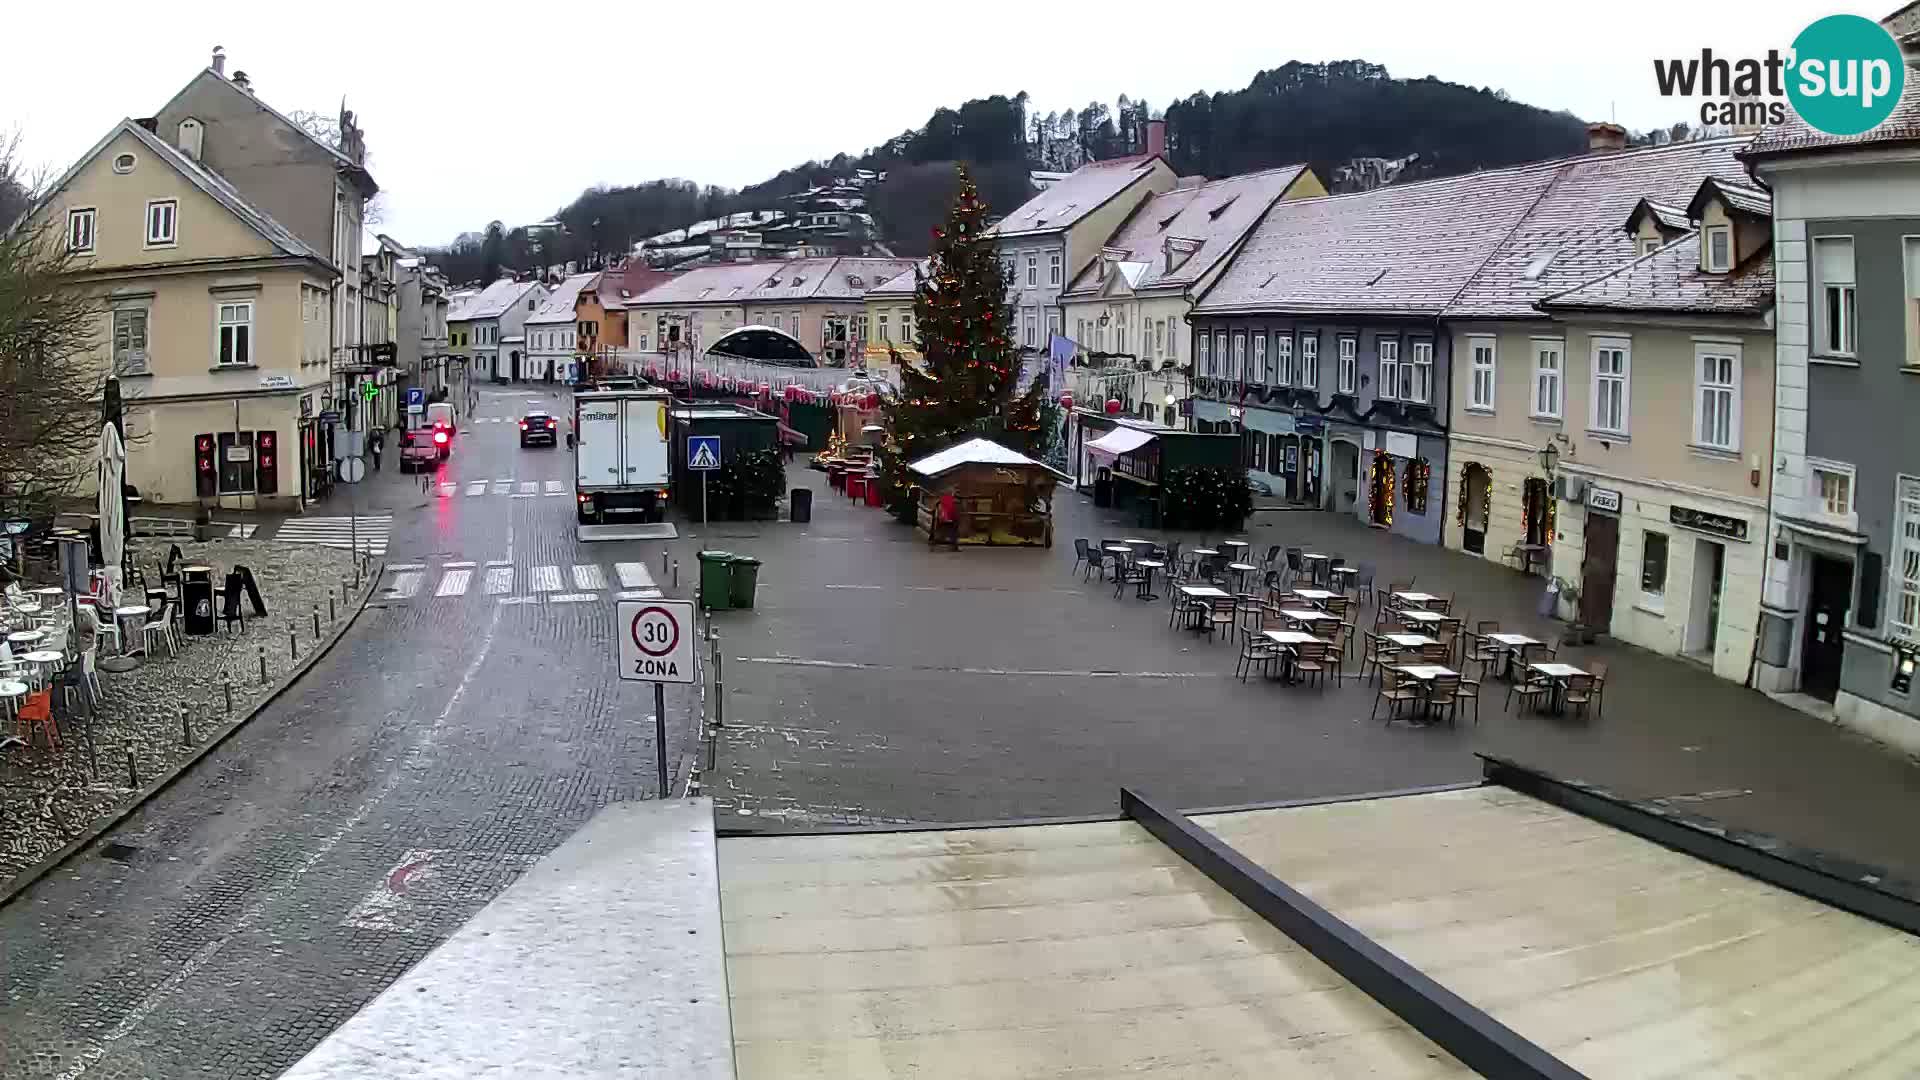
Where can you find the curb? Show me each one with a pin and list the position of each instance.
(11, 889)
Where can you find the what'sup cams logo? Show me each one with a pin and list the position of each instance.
(1843, 76)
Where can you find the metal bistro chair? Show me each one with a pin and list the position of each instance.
(1443, 695)
(1598, 670)
(1294, 569)
(1079, 556)
(1273, 556)
(1363, 584)
(1578, 692)
(1530, 688)
(1310, 662)
(1223, 616)
(1396, 689)
(1255, 649)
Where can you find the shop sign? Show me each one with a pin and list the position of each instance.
(1687, 517)
(1309, 423)
(1400, 444)
(276, 382)
(1604, 499)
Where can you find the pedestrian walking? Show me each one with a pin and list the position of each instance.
(376, 442)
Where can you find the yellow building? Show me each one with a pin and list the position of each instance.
(215, 317)
(888, 326)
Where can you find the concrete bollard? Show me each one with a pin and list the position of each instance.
(293, 641)
(663, 560)
(676, 573)
(316, 619)
(186, 727)
(226, 686)
(263, 663)
(133, 772)
(331, 613)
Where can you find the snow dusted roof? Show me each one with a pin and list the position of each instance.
(558, 306)
(905, 283)
(1214, 216)
(797, 279)
(1670, 282)
(490, 302)
(1081, 193)
(971, 452)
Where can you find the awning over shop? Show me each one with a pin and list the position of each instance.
(1121, 440)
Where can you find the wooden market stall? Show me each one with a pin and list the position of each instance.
(1004, 496)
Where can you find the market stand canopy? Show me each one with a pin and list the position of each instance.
(1121, 440)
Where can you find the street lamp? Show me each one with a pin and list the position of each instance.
(1549, 454)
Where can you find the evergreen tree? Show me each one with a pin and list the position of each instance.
(965, 383)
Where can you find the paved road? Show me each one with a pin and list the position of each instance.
(456, 734)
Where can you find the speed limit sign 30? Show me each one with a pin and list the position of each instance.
(656, 639)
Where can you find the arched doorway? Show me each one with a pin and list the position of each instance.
(1476, 491)
(1536, 511)
(1380, 485)
(1346, 475)
(515, 361)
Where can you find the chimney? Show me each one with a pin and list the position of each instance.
(219, 61)
(240, 80)
(1605, 138)
(1156, 138)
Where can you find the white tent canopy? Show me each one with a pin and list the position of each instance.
(971, 452)
(1121, 440)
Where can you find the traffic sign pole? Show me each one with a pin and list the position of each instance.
(703, 498)
(660, 735)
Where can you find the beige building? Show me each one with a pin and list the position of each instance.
(817, 302)
(1652, 386)
(215, 316)
(1126, 311)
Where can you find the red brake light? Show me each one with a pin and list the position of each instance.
(440, 437)
(523, 425)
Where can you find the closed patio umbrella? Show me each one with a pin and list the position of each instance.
(113, 521)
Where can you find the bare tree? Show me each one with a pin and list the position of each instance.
(326, 129)
(51, 382)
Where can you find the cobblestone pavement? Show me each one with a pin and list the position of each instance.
(48, 796)
(333, 841)
(881, 682)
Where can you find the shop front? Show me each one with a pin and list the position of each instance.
(1400, 485)
(1286, 452)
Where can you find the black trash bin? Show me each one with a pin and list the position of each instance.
(800, 505)
(196, 593)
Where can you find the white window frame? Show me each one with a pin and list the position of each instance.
(1827, 293)
(1387, 376)
(1238, 372)
(1053, 268)
(1655, 601)
(883, 329)
(1711, 234)
(170, 217)
(1220, 355)
(1310, 361)
(1205, 367)
(1554, 377)
(1848, 518)
(222, 324)
(1599, 382)
(1483, 371)
(1031, 323)
(1260, 358)
(82, 220)
(1284, 373)
(1422, 370)
(906, 327)
(131, 361)
(1120, 335)
(1648, 245)
(1903, 569)
(1033, 269)
(1348, 348)
(1910, 265)
(1705, 352)
(1053, 324)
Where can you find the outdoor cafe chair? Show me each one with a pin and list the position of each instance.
(1443, 695)
(1079, 555)
(1529, 688)
(1310, 661)
(1256, 649)
(1468, 690)
(160, 628)
(1363, 584)
(1598, 670)
(1396, 689)
(1578, 691)
(1270, 583)
(1376, 653)
(37, 711)
(1172, 558)
(1222, 616)
(1293, 564)
(1341, 642)
(1273, 556)
(1395, 589)
(1437, 653)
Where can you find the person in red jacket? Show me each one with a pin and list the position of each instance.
(946, 519)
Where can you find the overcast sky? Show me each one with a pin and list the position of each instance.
(479, 111)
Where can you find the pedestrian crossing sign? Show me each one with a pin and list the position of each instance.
(703, 452)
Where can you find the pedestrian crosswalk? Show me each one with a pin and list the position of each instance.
(367, 532)
(502, 487)
(501, 582)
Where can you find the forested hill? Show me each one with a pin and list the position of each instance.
(1350, 119)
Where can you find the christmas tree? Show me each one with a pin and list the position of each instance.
(965, 385)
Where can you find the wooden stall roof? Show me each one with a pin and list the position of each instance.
(978, 452)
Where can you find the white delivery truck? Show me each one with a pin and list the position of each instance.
(620, 455)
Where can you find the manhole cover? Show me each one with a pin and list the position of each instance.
(119, 852)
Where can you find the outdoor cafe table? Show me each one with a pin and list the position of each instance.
(1557, 674)
(1242, 570)
(1314, 596)
(1410, 641)
(1306, 616)
(121, 616)
(1425, 618)
(1315, 565)
(44, 658)
(1146, 579)
(13, 692)
(1238, 546)
(50, 593)
(26, 637)
(1417, 599)
(1287, 639)
(1203, 592)
(1426, 673)
(1510, 644)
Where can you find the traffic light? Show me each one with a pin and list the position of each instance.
(266, 456)
(206, 482)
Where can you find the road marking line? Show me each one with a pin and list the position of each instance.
(502, 487)
(499, 580)
(529, 487)
(405, 584)
(555, 487)
(525, 495)
(546, 579)
(447, 489)
(476, 487)
(573, 598)
(460, 564)
(794, 661)
(519, 600)
(588, 576)
(640, 594)
(855, 586)
(454, 583)
(633, 575)
(399, 566)
(499, 562)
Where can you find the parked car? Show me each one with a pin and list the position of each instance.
(539, 426)
(422, 448)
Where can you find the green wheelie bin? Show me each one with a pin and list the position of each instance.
(716, 579)
(746, 578)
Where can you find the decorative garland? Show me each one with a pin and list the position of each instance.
(1419, 476)
(1466, 475)
(1553, 512)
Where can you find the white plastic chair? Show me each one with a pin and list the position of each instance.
(104, 626)
(162, 628)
